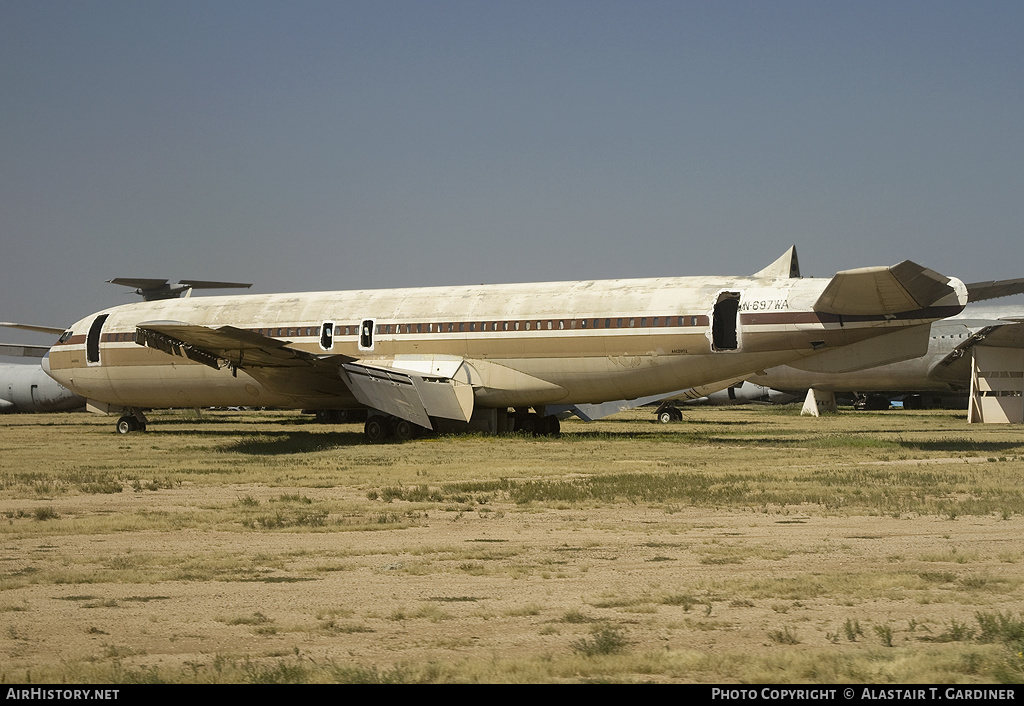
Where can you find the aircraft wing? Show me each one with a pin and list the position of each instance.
(885, 290)
(25, 351)
(33, 327)
(207, 345)
(410, 394)
(1009, 334)
(590, 412)
(980, 291)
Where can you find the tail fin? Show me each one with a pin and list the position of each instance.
(786, 267)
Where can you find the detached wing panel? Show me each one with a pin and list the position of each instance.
(409, 394)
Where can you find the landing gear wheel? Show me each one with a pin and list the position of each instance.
(404, 430)
(128, 424)
(376, 430)
(527, 424)
(665, 417)
(552, 427)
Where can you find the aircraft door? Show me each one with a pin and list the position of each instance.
(92, 341)
(725, 322)
(327, 335)
(366, 335)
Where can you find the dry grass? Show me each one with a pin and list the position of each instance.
(744, 544)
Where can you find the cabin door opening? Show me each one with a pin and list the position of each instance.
(366, 335)
(327, 335)
(92, 341)
(724, 326)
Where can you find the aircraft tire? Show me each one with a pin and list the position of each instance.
(665, 417)
(404, 430)
(126, 424)
(376, 430)
(552, 427)
(527, 424)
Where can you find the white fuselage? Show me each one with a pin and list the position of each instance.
(523, 344)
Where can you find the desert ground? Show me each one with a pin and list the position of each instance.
(739, 545)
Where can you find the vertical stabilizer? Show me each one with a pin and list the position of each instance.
(786, 267)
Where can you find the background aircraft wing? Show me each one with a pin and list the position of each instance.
(1009, 334)
(23, 350)
(590, 412)
(33, 327)
(980, 291)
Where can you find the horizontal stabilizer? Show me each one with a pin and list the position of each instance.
(154, 289)
(408, 394)
(889, 290)
(981, 291)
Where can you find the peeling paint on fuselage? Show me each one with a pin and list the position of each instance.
(593, 341)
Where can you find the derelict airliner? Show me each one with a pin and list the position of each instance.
(464, 356)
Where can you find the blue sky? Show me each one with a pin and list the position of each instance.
(347, 144)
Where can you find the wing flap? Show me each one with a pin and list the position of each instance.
(409, 394)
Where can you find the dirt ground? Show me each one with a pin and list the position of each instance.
(461, 585)
(457, 585)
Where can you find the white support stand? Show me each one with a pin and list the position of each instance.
(818, 402)
(997, 386)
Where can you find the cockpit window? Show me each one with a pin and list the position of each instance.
(65, 336)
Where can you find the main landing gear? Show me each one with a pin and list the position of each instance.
(379, 429)
(669, 413)
(135, 420)
(536, 424)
